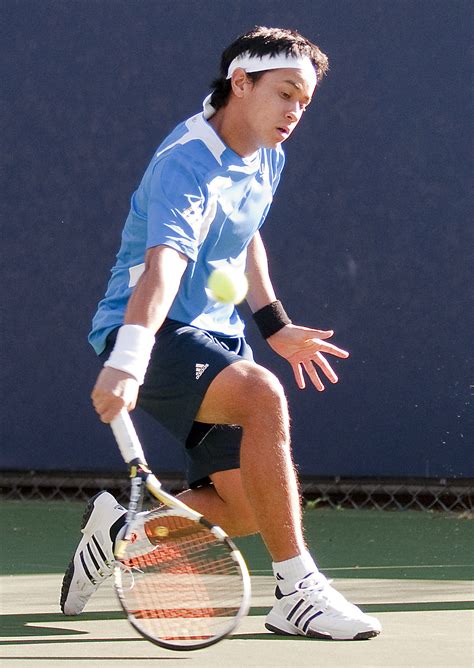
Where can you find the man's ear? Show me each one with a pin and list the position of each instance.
(239, 82)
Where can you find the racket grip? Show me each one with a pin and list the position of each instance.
(126, 437)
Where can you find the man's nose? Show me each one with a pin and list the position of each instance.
(293, 114)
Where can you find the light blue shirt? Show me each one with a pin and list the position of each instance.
(202, 199)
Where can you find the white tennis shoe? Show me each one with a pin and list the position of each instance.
(317, 610)
(93, 560)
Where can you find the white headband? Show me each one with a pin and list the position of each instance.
(270, 62)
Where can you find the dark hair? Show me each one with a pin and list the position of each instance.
(265, 41)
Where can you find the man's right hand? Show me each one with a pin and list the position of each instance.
(113, 391)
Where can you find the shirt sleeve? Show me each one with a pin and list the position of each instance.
(175, 206)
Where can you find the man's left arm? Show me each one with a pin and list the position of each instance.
(303, 347)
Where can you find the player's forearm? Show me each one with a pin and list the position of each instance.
(156, 289)
(147, 308)
(261, 290)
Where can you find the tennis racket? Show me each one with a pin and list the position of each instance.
(181, 581)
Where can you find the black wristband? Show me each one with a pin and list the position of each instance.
(271, 318)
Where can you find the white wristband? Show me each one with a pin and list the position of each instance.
(132, 351)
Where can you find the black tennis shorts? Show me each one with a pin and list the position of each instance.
(184, 362)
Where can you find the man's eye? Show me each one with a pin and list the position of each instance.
(286, 96)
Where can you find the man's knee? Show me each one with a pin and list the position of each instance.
(259, 389)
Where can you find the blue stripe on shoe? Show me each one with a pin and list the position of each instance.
(294, 609)
(86, 570)
(99, 549)
(308, 609)
(309, 620)
(94, 560)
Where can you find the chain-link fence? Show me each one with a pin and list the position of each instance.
(447, 495)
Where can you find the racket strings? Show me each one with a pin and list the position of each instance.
(187, 586)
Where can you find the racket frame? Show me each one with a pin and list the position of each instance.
(143, 478)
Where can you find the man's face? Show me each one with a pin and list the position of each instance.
(274, 105)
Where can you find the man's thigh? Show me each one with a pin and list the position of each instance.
(239, 390)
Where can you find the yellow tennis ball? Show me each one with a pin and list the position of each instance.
(228, 285)
(161, 531)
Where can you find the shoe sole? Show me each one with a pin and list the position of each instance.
(363, 635)
(69, 574)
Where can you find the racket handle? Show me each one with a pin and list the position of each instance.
(126, 437)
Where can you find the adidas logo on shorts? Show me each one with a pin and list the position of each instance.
(200, 368)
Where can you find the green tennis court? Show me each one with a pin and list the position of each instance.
(413, 570)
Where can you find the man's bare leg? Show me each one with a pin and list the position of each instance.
(224, 503)
(250, 396)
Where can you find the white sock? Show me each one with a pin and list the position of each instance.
(289, 572)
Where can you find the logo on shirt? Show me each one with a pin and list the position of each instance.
(193, 213)
(200, 368)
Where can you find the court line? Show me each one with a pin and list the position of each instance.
(267, 571)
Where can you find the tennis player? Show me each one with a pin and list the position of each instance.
(168, 347)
